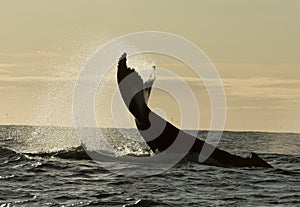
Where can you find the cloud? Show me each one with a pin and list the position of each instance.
(263, 93)
(7, 65)
(31, 54)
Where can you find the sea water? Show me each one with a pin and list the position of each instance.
(45, 166)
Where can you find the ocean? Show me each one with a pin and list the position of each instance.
(46, 166)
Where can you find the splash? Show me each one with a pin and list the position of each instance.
(54, 105)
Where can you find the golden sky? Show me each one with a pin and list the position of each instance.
(254, 45)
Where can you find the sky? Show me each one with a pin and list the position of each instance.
(254, 45)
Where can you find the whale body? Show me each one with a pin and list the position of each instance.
(160, 135)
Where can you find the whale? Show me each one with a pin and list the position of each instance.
(161, 135)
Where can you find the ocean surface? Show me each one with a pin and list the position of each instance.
(45, 166)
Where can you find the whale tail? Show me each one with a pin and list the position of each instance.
(160, 134)
(135, 92)
(157, 132)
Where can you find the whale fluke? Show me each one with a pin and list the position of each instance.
(159, 134)
(134, 92)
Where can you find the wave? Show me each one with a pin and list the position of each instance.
(145, 203)
(8, 153)
(280, 161)
(76, 153)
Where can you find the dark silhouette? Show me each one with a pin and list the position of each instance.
(162, 136)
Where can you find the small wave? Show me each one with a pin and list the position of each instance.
(5, 152)
(76, 153)
(10, 154)
(284, 172)
(143, 203)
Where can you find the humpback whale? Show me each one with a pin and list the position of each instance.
(160, 135)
